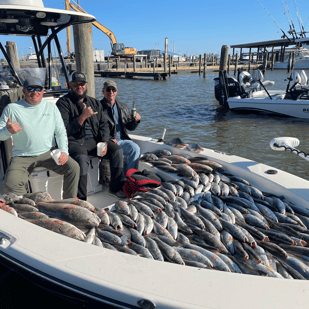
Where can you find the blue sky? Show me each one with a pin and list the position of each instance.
(196, 27)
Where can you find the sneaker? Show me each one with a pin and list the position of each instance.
(119, 194)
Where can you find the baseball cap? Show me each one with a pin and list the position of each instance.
(109, 83)
(78, 77)
(32, 81)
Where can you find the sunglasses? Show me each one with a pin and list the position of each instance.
(32, 89)
(79, 84)
(108, 89)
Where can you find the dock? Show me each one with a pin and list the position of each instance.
(155, 76)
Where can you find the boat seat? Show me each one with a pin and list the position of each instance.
(42, 179)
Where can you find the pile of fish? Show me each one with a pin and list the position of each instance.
(207, 218)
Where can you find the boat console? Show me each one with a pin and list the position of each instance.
(297, 88)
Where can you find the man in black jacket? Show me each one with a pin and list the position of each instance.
(120, 120)
(86, 126)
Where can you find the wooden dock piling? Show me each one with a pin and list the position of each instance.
(11, 50)
(223, 58)
(84, 53)
(205, 65)
(236, 64)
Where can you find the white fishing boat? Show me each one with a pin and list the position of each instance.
(95, 276)
(252, 93)
(301, 60)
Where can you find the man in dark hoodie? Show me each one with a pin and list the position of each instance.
(86, 126)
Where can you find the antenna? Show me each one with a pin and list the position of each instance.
(301, 26)
(284, 34)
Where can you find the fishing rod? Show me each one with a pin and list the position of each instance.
(284, 34)
(287, 13)
(288, 144)
(301, 26)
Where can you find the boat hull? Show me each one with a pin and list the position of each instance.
(293, 108)
(96, 275)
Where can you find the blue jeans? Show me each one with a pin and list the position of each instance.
(131, 152)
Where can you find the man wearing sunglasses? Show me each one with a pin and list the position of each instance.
(86, 126)
(36, 126)
(119, 121)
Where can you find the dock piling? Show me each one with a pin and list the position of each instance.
(11, 50)
(84, 53)
(223, 58)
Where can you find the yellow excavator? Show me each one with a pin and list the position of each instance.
(118, 49)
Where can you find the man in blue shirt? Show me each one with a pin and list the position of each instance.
(120, 120)
(36, 126)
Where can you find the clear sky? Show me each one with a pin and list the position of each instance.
(197, 27)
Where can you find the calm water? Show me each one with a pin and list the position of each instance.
(186, 105)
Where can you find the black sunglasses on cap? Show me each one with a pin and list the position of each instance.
(32, 89)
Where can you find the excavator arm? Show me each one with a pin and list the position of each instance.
(118, 49)
(105, 30)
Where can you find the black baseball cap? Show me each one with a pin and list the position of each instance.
(78, 77)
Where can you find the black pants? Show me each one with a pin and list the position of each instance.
(80, 150)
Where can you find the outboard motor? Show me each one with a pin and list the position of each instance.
(226, 87)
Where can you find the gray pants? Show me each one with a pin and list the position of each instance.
(17, 175)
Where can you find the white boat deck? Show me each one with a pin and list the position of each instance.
(128, 279)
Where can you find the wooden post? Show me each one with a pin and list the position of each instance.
(134, 64)
(228, 63)
(223, 57)
(84, 53)
(11, 50)
(236, 64)
(200, 64)
(272, 59)
(205, 65)
(249, 60)
(290, 63)
(265, 62)
(164, 61)
(169, 65)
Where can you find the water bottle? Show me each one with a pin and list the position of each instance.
(133, 111)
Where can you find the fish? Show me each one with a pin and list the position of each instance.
(90, 237)
(195, 148)
(185, 170)
(38, 196)
(201, 168)
(32, 215)
(176, 142)
(115, 221)
(137, 237)
(153, 248)
(9, 209)
(24, 207)
(60, 227)
(72, 213)
(108, 237)
(170, 253)
(141, 250)
(123, 207)
(193, 255)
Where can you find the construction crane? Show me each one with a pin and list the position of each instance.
(118, 49)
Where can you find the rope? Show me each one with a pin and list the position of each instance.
(294, 150)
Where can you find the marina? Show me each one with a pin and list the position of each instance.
(212, 157)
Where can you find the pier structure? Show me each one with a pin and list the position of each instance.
(265, 51)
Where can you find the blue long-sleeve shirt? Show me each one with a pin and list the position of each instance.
(43, 127)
